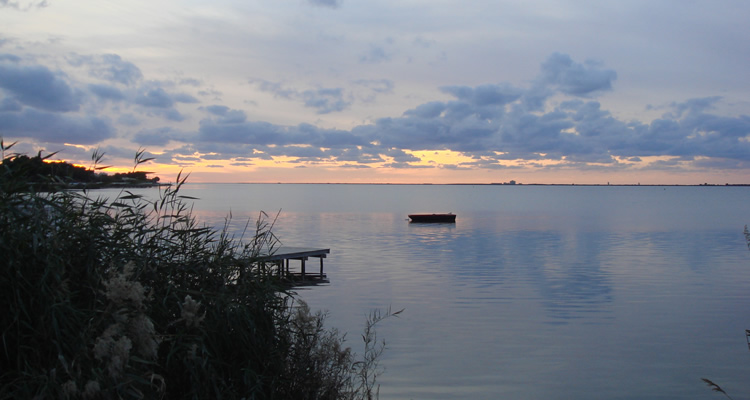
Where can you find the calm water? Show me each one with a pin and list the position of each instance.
(537, 292)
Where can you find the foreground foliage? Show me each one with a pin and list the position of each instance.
(134, 299)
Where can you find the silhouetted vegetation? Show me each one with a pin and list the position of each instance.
(130, 299)
(42, 173)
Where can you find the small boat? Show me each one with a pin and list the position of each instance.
(450, 217)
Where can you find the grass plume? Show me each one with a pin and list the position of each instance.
(127, 298)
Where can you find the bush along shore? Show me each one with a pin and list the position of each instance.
(131, 299)
(41, 173)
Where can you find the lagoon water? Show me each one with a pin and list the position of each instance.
(536, 292)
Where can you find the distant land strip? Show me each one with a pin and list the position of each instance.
(484, 184)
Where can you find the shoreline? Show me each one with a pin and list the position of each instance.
(475, 184)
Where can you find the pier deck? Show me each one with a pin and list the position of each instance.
(283, 254)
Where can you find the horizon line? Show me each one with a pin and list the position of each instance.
(475, 184)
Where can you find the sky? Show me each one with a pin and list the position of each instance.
(390, 91)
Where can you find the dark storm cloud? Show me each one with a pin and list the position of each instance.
(55, 128)
(36, 86)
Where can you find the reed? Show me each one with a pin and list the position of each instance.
(129, 298)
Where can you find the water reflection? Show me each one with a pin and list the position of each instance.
(564, 268)
(534, 292)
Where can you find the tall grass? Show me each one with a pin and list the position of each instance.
(129, 298)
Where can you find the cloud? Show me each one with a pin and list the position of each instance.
(228, 116)
(497, 118)
(553, 120)
(9, 104)
(432, 109)
(375, 55)
(9, 57)
(107, 92)
(184, 98)
(257, 133)
(326, 3)
(382, 86)
(55, 128)
(574, 78)
(156, 98)
(484, 95)
(109, 67)
(156, 136)
(401, 156)
(216, 109)
(230, 128)
(172, 115)
(693, 106)
(36, 86)
(368, 90)
(275, 87)
(323, 100)
(360, 156)
(23, 5)
(128, 120)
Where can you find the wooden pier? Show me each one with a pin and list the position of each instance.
(282, 255)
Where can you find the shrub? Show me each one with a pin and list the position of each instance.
(133, 299)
